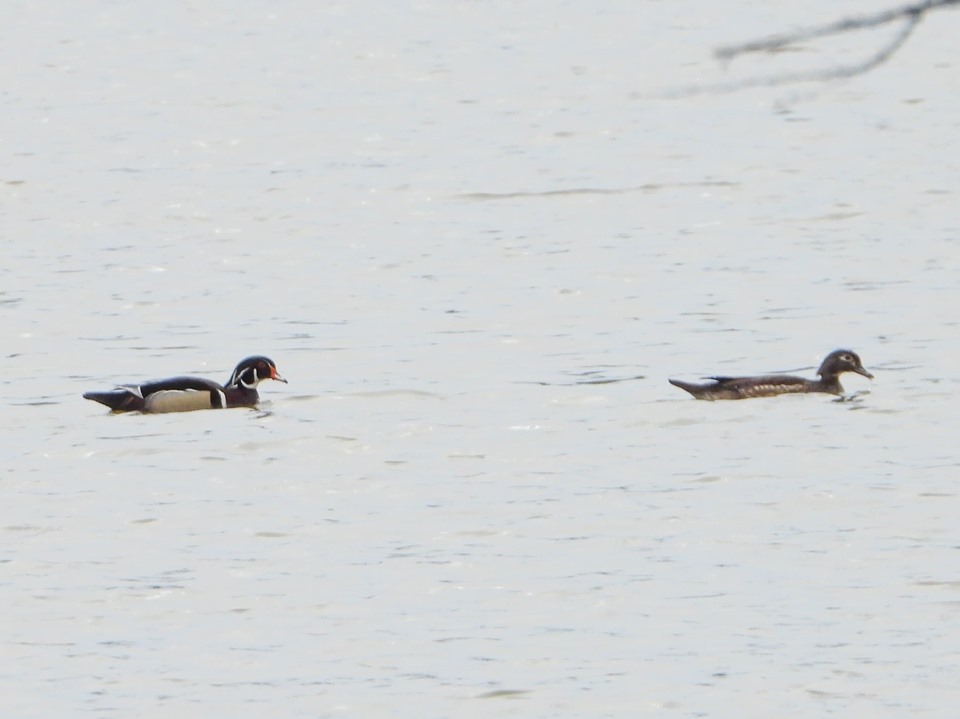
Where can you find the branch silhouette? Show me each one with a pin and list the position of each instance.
(908, 15)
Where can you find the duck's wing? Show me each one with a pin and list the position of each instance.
(137, 397)
(182, 384)
(782, 380)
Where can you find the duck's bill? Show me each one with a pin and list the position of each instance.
(859, 370)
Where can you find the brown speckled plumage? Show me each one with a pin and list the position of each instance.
(833, 365)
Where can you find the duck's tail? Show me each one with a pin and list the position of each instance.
(693, 389)
(118, 400)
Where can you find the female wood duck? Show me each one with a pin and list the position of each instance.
(185, 394)
(835, 364)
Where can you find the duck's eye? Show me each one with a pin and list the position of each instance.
(846, 358)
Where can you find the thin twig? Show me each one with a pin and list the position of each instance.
(836, 72)
(910, 13)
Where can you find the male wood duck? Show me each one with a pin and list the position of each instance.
(835, 364)
(185, 394)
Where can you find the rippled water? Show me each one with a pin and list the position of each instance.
(477, 242)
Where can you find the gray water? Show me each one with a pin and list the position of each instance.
(477, 238)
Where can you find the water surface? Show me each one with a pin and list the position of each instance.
(452, 225)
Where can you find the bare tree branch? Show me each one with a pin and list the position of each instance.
(830, 73)
(909, 15)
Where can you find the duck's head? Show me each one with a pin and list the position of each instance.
(253, 370)
(840, 361)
